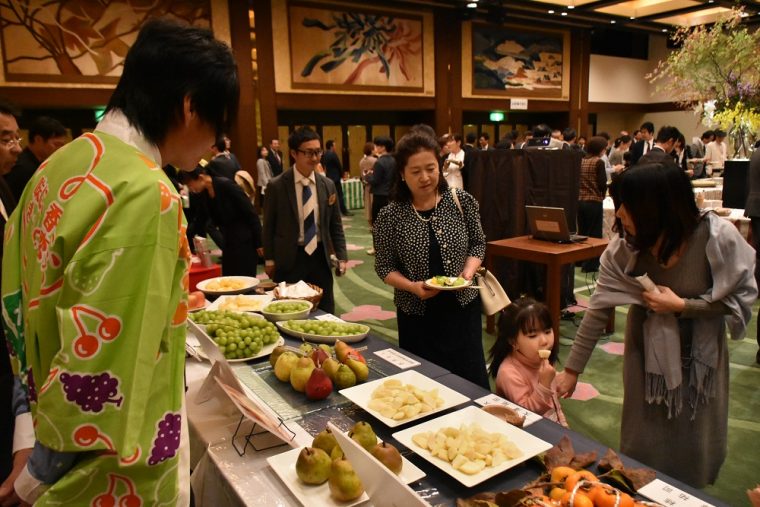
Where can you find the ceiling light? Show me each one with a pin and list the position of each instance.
(571, 7)
(472, 5)
(633, 17)
(551, 11)
(664, 29)
(613, 21)
(563, 13)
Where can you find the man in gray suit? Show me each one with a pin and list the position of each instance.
(752, 210)
(302, 223)
(698, 148)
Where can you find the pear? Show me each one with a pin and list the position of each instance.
(345, 377)
(336, 452)
(355, 354)
(326, 348)
(364, 435)
(344, 484)
(341, 350)
(319, 356)
(331, 366)
(360, 369)
(284, 365)
(307, 348)
(325, 440)
(389, 456)
(313, 465)
(300, 374)
(276, 354)
(319, 386)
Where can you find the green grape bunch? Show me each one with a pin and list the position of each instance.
(286, 307)
(326, 328)
(238, 335)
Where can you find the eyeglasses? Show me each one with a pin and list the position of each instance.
(311, 153)
(10, 142)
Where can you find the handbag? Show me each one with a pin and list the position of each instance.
(493, 298)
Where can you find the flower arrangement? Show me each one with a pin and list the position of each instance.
(716, 72)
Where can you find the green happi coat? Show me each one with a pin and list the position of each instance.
(94, 293)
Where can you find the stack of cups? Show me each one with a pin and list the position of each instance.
(202, 251)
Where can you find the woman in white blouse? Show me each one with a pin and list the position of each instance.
(452, 168)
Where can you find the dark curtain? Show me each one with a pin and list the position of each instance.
(503, 182)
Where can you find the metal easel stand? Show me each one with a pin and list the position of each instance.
(253, 434)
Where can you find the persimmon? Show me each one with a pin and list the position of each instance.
(576, 477)
(559, 474)
(606, 496)
(579, 500)
(557, 493)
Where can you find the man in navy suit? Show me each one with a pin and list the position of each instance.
(302, 222)
(646, 143)
(334, 171)
(275, 157)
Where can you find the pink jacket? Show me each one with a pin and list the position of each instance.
(518, 383)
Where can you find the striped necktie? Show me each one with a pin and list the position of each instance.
(309, 224)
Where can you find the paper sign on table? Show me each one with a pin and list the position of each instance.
(492, 399)
(397, 359)
(383, 487)
(329, 317)
(665, 494)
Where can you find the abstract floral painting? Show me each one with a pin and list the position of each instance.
(80, 41)
(347, 48)
(518, 62)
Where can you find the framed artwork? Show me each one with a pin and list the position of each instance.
(80, 41)
(339, 47)
(517, 62)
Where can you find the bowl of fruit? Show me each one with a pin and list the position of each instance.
(238, 336)
(323, 331)
(286, 309)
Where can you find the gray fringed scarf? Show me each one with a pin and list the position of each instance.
(732, 262)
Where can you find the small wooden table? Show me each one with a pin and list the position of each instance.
(553, 255)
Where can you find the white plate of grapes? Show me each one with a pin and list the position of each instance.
(447, 282)
(324, 331)
(239, 336)
(287, 309)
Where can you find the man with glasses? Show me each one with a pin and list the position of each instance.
(13, 452)
(46, 135)
(302, 221)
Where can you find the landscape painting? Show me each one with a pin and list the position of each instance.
(517, 62)
(334, 47)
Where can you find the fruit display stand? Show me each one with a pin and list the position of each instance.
(222, 477)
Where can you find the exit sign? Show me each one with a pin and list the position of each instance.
(496, 116)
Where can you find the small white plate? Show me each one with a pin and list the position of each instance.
(265, 351)
(527, 443)
(284, 465)
(318, 338)
(241, 302)
(242, 285)
(430, 283)
(361, 394)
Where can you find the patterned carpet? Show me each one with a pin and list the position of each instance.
(595, 408)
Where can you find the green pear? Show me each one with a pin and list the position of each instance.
(360, 369)
(325, 440)
(331, 365)
(389, 456)
(307, 348)
(364, 435)
(300, 373)
(326, 348)
(344, 484)
(345, 377)
(336, 452)
(284, 365)
(313, 465)
(276, 354)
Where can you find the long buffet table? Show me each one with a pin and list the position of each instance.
(222, 477)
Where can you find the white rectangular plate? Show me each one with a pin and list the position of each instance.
(251, 302)
(527, 443)
(284, 465)
(362, 394)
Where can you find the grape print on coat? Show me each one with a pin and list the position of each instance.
(91, 392)
(166, 443)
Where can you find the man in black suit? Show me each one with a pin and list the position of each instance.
(663, 147)
(334, 170)
(302, 223)
(752, 210)
(275, 157)
(642, 146)
(484, 141)
(11, 463)
(222, 164)
(46, 135)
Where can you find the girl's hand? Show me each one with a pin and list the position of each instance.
(666, 301)
(566, 382)
(422, 291)
(546, 373)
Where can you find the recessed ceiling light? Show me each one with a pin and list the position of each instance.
(633, 17)
(551, 11)
(664, 29)
(571, 7)
(472, 5)
(563, 13)
(613, 21)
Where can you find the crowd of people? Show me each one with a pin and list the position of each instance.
(111, 402)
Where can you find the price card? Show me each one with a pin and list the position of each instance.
(329, 317)
(665, 494)
(492, 399)
(396, 358)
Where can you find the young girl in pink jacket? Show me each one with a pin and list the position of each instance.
(521, 361)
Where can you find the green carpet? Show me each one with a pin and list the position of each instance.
(599, 417)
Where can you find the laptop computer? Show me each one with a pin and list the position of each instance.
(550, 224)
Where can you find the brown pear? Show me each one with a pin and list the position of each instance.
(389, 456)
